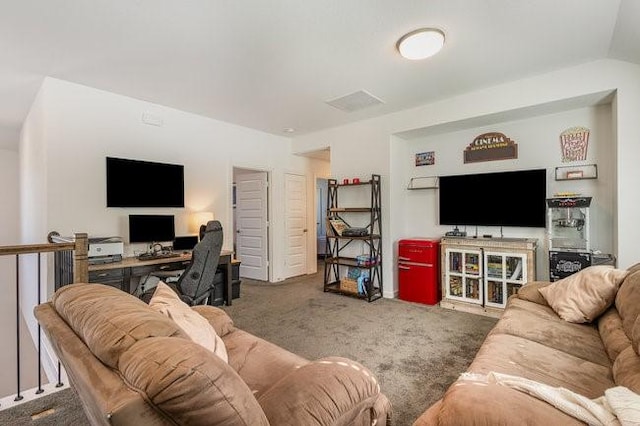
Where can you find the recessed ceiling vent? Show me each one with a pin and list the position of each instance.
(355, 101)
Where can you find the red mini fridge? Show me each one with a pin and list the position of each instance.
(418, 271)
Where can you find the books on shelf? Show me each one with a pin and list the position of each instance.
(338, 225)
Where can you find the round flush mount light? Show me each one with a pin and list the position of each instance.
(288, 130)
(420, 44)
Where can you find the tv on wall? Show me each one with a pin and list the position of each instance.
(135, 183)
(515, 198)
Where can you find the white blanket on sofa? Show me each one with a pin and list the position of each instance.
(618, 406)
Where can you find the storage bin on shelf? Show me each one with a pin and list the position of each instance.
(349, 285)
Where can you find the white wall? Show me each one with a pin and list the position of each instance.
(371, 145)
(538, 147)
(72, 128)
(85, 125)
(10, 235)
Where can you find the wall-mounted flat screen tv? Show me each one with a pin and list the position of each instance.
(135, 183)
(514, 198)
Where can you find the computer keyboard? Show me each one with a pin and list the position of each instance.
(151, 256)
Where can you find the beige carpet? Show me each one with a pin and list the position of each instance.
(416, 351)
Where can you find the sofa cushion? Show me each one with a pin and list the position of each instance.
(109, 321)
(167, 302)
(219, 320)
(189, 384)
(626, 370)
(329, 391)
(529, 292)
(518, 356)
(612, 333)
(628, 302)
(472, 403)
(258, 362)
(523, 319)
(585, 295)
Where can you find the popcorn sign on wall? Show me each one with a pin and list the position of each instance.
(574, 142)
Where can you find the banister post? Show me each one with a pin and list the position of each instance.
(80, 259)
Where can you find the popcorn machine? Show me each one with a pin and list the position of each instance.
(568, 235)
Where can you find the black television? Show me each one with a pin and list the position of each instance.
(148, 228)
(515, 198)
(135, 183)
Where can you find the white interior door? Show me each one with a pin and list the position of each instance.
(251, 226)
(295, 189)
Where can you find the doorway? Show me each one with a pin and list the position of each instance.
(322, 186)
(251, 222)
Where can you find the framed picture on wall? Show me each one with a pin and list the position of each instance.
(426, 158)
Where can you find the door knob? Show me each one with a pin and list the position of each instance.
(304, 230)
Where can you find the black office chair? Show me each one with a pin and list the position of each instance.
(196, 283)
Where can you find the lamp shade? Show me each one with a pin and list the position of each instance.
(421, 44)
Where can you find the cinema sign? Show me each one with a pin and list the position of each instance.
(489, 147)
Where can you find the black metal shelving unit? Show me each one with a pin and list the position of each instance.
(336, 262)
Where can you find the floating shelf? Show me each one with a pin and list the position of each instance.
(426, 182)
(586, 171)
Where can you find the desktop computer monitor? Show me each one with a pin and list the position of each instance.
(146, 228)
(187, 242)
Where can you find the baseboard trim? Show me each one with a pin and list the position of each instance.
(30, 395)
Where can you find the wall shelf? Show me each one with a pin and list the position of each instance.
(424, 182)
(586, 171)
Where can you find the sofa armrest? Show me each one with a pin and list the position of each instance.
(328, 391)
(221, 322)
(530, 292)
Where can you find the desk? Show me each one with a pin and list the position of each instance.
(119, 274)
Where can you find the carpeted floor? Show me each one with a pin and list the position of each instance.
(416, 351)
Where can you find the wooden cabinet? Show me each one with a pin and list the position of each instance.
(353, 263)
(463, 274)
(479, 274)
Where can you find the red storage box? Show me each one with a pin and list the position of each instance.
(418, 270)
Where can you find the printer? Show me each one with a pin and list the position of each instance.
(105, 250)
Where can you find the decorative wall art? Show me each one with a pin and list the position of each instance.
(426, 158)
(489, 147)
(574, 142)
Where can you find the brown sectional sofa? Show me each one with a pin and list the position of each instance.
(131, 365)
(531, 341)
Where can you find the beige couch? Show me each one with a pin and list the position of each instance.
(531, 341)
(131, 365)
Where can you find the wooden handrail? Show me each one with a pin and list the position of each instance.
(79, 245)
(35, 248)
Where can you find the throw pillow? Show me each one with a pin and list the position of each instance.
(168, 303)
(583, 296)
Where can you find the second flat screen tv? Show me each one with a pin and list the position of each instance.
(494, 199)
(135, 183)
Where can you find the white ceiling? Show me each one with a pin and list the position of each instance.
(271, 65)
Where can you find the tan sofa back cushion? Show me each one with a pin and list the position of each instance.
(628, 303)
(612, 334)
(626, 370)
(189, 384)
(108, 323)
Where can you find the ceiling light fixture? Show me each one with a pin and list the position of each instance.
(288, 130)
(420, 44)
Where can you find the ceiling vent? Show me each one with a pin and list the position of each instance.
(355, 101)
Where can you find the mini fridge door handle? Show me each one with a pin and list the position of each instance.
(403, 258)
(405, 268)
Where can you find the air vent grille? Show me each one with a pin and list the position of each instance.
(355, 101)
